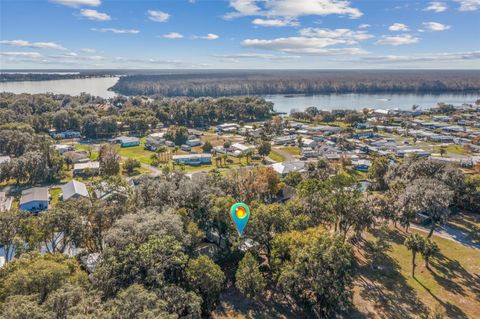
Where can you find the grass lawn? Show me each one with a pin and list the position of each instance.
(55, 193)
(451, 285)
(136, 152)
(276, 156)
(292, 150)
(87, 148)
(452, 149)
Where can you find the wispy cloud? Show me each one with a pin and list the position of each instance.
(29, 55)
(173, 35)
(261, 56)
(37, 45)
(398, 40)
(426, 57)
(210, 36)
(158, 16)
(275, 22)
(94, 15)
(436, 6)
(78, 3)
(434, 26)
(117, 31)
(88, 50)
(468, 5)
(314, 41)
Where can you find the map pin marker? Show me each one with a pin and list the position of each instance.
(240, 214)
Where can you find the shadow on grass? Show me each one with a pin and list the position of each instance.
(452, 310)
(387, 288)
(233, 304)
(446, 271)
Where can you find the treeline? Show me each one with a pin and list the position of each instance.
(99, 118)
(223, 83)
(35, 76)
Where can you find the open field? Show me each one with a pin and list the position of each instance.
(451, 285)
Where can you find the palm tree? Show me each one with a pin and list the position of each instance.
(416, 244)
(430, 249)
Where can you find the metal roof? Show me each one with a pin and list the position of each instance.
(34, 194)
(73, 188)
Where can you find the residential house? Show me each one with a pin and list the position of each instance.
(127, 141)
(286, 167)
(63, 148)
(185, 148)
(193, 142)
(67, 135)
(193, 159)
(88, 168)
(34, 199)
(239, 148)
(282, 140)
(362, 165)
(77, 157)
(74, 190)
(227, 127)
(154, 141)
(416, 152)
(5, 202)
(4, 159)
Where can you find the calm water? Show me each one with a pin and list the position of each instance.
(99, 87)
(360, 101)
(93, 86)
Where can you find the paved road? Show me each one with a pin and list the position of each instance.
(449, 233)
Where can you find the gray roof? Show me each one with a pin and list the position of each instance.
(34, 194)
(74, 188)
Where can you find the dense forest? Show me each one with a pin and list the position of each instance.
(222, 83)
(46, 76)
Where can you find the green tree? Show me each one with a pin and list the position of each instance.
(39, 274)
(415, 243)
(315, 270)
(207, 147)
(9, 228)
(429, 250)
(206, 278)
(109, 160)
(131, 165)
(264, 149)
(377, 173)
(248, 278)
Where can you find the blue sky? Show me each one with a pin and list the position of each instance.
(307, 34)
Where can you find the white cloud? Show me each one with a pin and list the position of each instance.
(426, 57)
(301, 45)
(210, 36)
(27, 55)
(434, 26)
(398, 27)
(436, 6)
(158, 16)
(261, 56)
(292, 9)
(364, 26)
(468, 5)
(346, 36)
(37, 45)
(172, 35)
(398, 40)
(314, 41)
(87, 50)
(275, 22)
(118, 31)
(78, 3)
(94, 15)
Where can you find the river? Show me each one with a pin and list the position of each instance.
(98, 86)
(359, 101)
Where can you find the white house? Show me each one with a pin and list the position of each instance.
(73, 190)
(286, 167)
